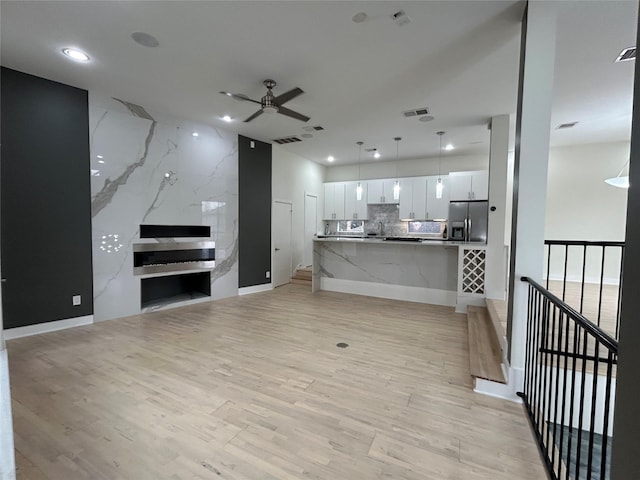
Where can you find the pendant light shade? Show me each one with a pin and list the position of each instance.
(396, 184)
(618, 181)
(439, 185)
(359, 185)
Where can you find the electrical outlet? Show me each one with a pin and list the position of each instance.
(77, 300)
(253, 144)
(268, 274)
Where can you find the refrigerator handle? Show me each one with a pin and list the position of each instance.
(469, 230)
(466, 229)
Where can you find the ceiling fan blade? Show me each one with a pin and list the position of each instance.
(241, 97)
(292, 114)
(257, 114)
(286, 96)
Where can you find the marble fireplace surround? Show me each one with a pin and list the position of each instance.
(149, 168)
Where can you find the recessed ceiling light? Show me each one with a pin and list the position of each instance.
(76, 54)
(448, 147)
(306, 135)
(376, 154)
(99, 156)
(100, 161)
(226, 118)
(426, 118)
(359, 17)
(330, 158)
(195, 134)
(145, 39)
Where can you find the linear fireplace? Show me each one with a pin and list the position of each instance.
(149, 258)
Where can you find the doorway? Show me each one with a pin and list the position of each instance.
(282, 255)
(310, 226)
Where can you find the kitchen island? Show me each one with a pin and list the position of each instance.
(429, 271)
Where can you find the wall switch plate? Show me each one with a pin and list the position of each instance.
(77, 300)
(268, 274)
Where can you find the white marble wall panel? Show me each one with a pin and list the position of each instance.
(153, 171)
(433, 267)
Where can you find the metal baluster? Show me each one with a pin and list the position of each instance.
(594, 401)
(601, 282)
(584, 269)
(564, 275)
(605, 426)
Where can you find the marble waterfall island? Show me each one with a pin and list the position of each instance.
(433, 271)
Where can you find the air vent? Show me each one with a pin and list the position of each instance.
(417, 112)
(313, 129)
(287, 140)
(562, 126)
(370, 150)
(401, 18)
(626, 55)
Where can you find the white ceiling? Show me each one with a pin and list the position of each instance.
(459, 58)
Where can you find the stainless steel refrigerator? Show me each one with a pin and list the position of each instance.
(468, 221)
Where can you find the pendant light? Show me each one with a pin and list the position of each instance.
(396, 184)
(618, 181)
(359, 186)
(439, 184)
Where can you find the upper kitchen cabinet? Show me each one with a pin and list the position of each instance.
(355, 209)
(334, 200)
(438, 208)
(381, 191)
(469, 186)
(413, 198)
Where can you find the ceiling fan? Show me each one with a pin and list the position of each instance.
(271, 104)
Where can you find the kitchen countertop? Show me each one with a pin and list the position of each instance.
(381, 241)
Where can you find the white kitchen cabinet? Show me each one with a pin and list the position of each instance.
(355, 209)
(334, 201)
(381, 191)
(438, 208)
(469, 186)
(413, 198)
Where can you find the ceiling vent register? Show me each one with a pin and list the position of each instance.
(626, 55)
(287, 140)
(313, 129)
(417, 112)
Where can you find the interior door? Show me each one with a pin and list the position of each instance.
(310, 226)
(282, 268)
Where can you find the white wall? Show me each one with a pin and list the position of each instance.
(292, 177)
(580, 206)
(408, 168)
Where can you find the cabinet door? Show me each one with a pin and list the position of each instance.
(460, 187)
(480, 186)
(329, 201)
(419, 194)
(387, 191)
(361, 209)
(374, 191)
(438, 208)
(338, 201)
(406, 199)
(355, 209)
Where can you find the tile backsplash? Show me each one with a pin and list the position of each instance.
(389, 215)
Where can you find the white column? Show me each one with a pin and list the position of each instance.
(496, 272)
(537, 57)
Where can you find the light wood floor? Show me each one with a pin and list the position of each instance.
(254, 388)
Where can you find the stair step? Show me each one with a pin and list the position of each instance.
(303, 273)
(301, 281)
(485, 356)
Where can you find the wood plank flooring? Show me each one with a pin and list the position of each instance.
(254, 388)
(485, 356)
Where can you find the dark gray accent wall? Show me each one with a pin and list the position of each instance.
(45, 226)
(625, 462)
(254, 232)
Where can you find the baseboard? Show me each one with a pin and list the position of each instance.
(39, 328)
(394, 292)
(462, 302)
(255, 289)
(7, 460)
(506, 391)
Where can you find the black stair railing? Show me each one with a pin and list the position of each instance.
(569, 387)
(588, 276)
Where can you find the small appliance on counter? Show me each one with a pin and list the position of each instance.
(468, 221)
